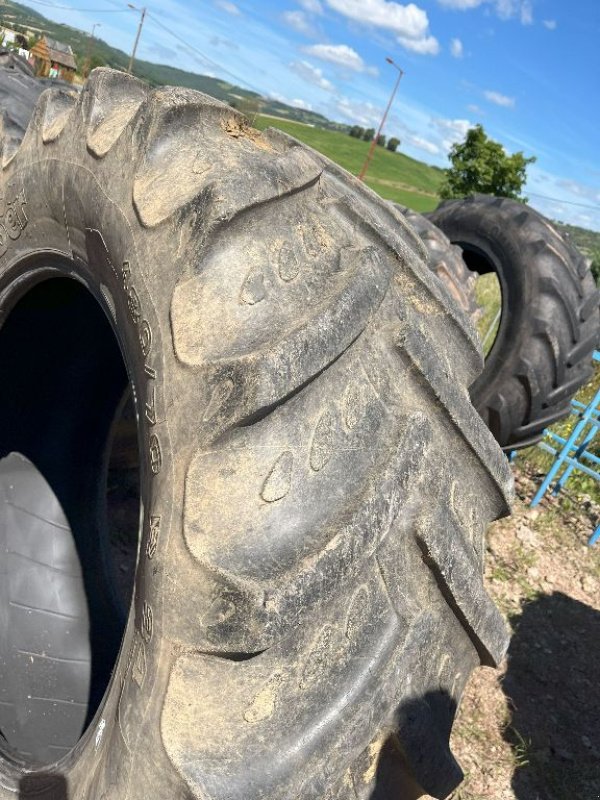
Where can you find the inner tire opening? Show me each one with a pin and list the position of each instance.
(69, 511)
(488, 295)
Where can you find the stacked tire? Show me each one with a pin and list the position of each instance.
(550, 320)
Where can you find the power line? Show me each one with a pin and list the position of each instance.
(566, 202)
(202, 55)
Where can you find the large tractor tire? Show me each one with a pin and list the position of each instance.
(315, 485)
(445, 259)
(550, 319)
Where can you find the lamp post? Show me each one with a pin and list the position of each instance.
(142, 12)
(365, 166)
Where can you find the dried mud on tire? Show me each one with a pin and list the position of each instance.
(316, 484)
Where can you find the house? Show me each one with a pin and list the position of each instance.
(52, 59)
(14, 38)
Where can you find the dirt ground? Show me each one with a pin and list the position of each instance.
(531, 731)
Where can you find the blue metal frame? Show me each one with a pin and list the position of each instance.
(570, 451)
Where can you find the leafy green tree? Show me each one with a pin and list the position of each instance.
(356, 131)
(481, 166)
(393, 144)
(381, 140)
(369, 134)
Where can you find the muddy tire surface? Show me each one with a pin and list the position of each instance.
(550, 321)
(446, 260)
(314, 482)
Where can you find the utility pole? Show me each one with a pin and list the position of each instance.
(88, 56)
(137, 36)
(365, 166)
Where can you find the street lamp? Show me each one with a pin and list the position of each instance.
(365, 166)
(142, 12)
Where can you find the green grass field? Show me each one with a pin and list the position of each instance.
(489, 298)
(394, 176)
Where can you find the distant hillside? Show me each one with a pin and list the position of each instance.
(587, 241)
(16, 15)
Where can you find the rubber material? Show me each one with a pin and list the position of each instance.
(446, 260)
(42, 600)
(316, 484)
(550, 321)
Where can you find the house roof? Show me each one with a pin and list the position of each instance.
(60, 53)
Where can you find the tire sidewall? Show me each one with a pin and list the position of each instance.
(61, 223)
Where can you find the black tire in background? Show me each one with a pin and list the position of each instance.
(550, 321)
(445, 259)
(315, 485)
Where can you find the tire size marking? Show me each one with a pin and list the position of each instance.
(153, 534)
(147, 622)
(155, 457)
(13, 220)
(145, 338)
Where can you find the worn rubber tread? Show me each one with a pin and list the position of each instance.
(292, 438)
(445, 259)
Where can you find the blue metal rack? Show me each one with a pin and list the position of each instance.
(573, 453)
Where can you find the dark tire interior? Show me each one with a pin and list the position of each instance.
(65, 405)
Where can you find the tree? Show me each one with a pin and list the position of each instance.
(381, 140)
(393, 144)
(356, 131)
(369, 134)
(481, 166)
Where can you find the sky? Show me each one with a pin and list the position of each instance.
(527, 70)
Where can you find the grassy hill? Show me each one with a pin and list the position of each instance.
(394, 176)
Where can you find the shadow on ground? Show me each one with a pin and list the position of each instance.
(553, 689)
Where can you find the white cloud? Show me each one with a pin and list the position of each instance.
(298, 21)
(526, 13)
(221, 41)
(229, 7)
(311, 74)
(409, 22)
(299, 103)
(456, 48)
(423, 144)
(312, 6)
(474, 109)
(580, 189)
(563, 198)
(499, 99)
(550, 24)
(302, 104)
(340, 54)
(427, 46)
(461, 5)
(450, 131)
(365, 114)
(505, 9)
